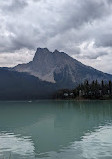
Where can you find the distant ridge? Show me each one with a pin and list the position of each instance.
(21, 86)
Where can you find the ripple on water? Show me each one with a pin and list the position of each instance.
(94, 145)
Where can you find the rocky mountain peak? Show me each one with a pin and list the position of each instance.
(42, 50)
(56, 51)
(59, 67)
(40, 53)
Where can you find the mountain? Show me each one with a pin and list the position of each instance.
(44, 75)
(58, 67)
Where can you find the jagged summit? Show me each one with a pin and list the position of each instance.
(42, 50)
(56, 51)
(58, 67)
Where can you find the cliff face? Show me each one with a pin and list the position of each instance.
(58, 67)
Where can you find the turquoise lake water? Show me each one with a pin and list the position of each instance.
(56, 130)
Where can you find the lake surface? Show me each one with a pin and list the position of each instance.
(56, 130)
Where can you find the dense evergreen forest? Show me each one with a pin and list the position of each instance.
(86, 90)
(21, 86)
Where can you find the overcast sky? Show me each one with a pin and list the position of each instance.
(81, 28)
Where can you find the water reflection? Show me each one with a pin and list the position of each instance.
(19, 146)
(56, 129)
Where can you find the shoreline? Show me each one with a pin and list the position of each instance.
(38, 100)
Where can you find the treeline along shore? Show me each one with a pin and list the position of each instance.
(86, 90)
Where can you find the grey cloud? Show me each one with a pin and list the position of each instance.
(109, 2)
(38, 0)
(95, 56)
(77, 13)
(63, 25)
(104, 40)
(14, 6)
(71, 15)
